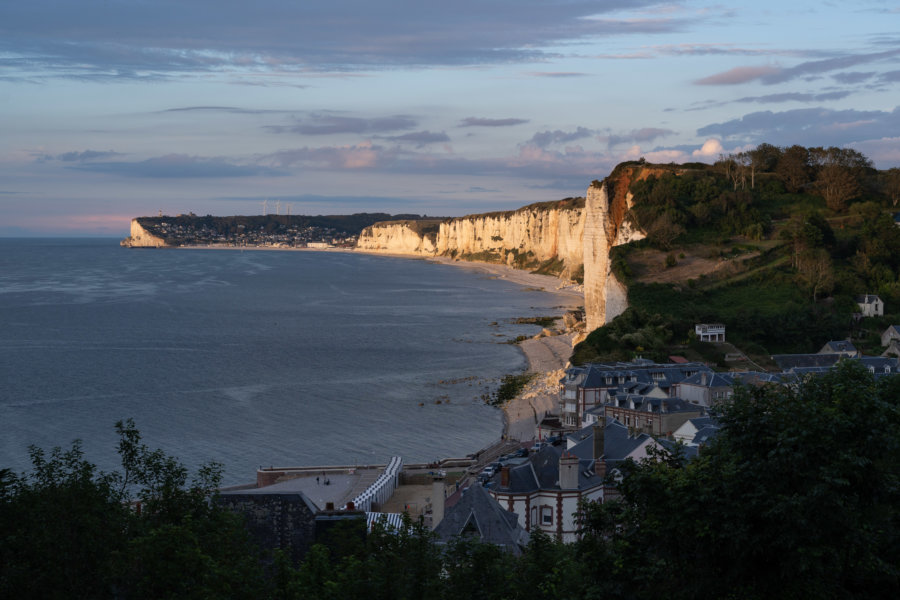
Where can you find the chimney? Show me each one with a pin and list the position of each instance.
(600, 467)
(568, 471)
(504, 477)
(329, 506)
(599, 440)
(350, 506)
(437, 503)
(703, 378)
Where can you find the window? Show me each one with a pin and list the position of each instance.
(546, 515)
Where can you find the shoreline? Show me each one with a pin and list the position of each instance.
(546, 356)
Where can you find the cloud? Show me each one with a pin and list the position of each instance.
(420, 138)
(770, 75)
(884, 152)
(852, 77)
(557, 74)
(809, 126)
(646, 134)
(737, 75)
(546, 138)
(133, 40)
(227, 109)
(359, 156)
(795, 97)
(711, 148)
(325, 124)
(86, 155)
(179, 166)
(482, 122)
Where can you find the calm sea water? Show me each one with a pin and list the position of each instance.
(250, 358)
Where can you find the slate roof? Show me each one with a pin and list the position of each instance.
(617, 443)
(879, 365)
(705, 434)
(867, 299)
(478, 511)
(837, 346)
(786, 362)
(651, 404)
(541, 472)
(594, 375)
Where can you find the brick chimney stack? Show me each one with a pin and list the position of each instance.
(599, 439)
(568, 471)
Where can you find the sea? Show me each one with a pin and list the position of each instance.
(251, 358)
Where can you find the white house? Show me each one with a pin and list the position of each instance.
(870, 305)
(890, 334)
(710, 332)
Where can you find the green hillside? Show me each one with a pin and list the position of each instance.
(775, 243)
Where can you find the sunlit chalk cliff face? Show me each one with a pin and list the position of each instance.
(141, 238)
(401, 237)
(570, 238)
(545, 236)
(605, 297)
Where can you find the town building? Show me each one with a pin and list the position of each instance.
(653, 416)
(479, 515)
(710, 332)
(545, 491)
(870, 305)
(586, 387)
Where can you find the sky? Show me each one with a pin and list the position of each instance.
(113, 109)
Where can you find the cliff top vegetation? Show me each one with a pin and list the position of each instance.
(229, 225)
(773, 242)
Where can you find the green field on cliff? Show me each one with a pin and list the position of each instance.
(775, 243)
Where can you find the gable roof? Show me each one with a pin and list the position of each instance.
(541, 472)
(867, 299)
(478, 512)
(837, 346)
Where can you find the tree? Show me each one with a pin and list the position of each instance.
(816, 271)
(69, 531)
(838, 186)
(797, 498)
(891, 184)
(794, 169)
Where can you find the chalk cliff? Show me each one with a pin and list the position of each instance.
(141, 238)
(571, 238)
(545, 236)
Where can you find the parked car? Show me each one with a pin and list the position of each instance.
(537, 446)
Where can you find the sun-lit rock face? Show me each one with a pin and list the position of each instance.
(548, 234)
(141, 238)
(571, 238)
(605, 297)
(399, 237)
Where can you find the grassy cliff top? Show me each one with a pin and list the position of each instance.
(774, 243)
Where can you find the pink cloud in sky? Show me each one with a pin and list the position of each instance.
(737, 75)
(711, 148)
